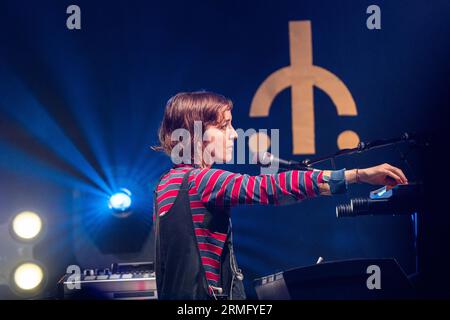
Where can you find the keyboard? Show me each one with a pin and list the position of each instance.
(120, 284)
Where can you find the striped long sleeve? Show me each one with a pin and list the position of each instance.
(223, 188)
(213, 188)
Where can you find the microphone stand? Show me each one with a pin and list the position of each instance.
(366, 146)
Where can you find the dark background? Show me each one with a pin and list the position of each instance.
(80, 108)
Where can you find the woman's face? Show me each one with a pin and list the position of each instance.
(221, 140)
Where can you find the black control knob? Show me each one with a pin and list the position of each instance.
(88, 272)
(99, 272)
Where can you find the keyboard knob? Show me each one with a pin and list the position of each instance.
(99, 272)
(88, 272)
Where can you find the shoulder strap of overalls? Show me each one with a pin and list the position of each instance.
(155, 203)
(155, 207)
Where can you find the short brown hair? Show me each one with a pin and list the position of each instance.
(186, 107)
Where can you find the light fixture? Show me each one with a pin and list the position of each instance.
(27, 225)
(120, 201)
(28, 277)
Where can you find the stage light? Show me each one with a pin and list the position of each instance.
(120, 201)
(27, 225)
(28, 276)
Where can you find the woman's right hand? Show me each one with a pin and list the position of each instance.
(383, 174)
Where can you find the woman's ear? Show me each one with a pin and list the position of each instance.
(198, 152)
(209, 152)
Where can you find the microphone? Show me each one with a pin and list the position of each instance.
(364, 206)
(418, 139)
(269, 160)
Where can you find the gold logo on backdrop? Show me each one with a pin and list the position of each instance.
(302, 76)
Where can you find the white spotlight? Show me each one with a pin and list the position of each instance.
(27, 225)
(28, 276)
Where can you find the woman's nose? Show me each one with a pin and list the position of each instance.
(233, 134)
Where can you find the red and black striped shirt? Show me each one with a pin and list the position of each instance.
(210, 188)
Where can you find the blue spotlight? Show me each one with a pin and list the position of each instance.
(120, 201)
